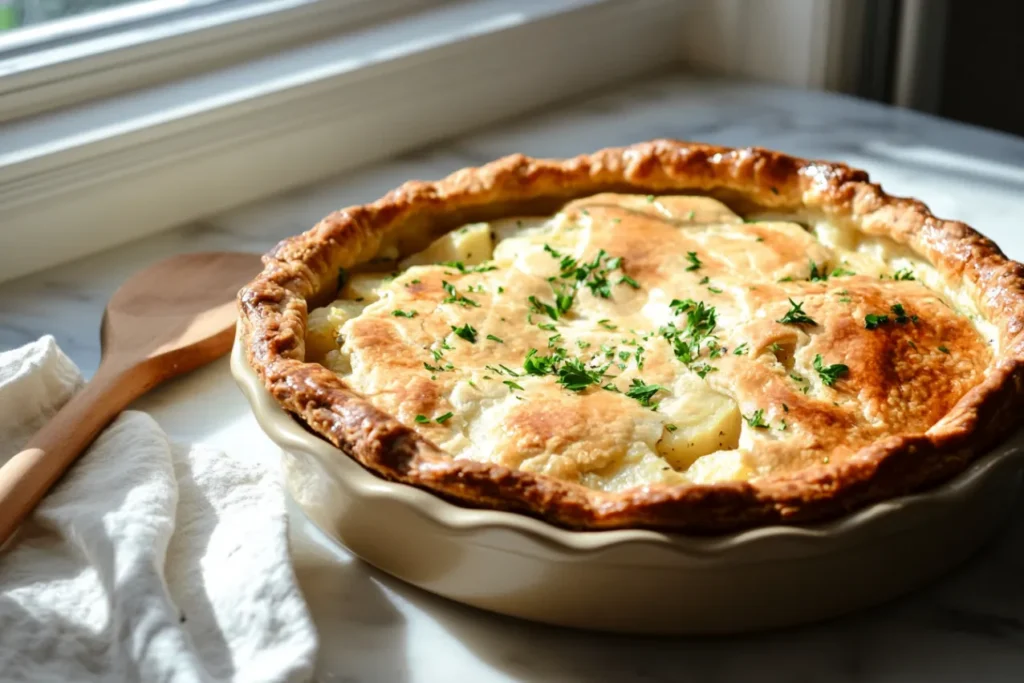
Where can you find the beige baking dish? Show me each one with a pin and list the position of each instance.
(637, 580)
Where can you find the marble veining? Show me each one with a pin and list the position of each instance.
(967, 627)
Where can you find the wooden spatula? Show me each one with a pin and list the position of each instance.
(171, 318)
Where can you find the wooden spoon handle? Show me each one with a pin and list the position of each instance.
(30, 474)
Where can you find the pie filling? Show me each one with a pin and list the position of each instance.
(631, 340)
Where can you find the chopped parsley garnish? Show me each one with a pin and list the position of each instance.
(443, 418)
(643, 392)
(582, 344)
(903, 274)
(624, 355)
(756, 419)
(704, 280)
(873, 321)
(714, 290)
(629, 281)
(842, 272)
(463, 268)
(447, 367)
(829, 373)
(454, 297)
(774, 347)
(796, 316)
(606, 324)
(564, 299)
(943, 349)
(901, 315)
(553, 340)
(535, 364)
(422, 419)
(467, 332)
(399, 313)
(740, 350)
(547, 327)
(816, 274)
(650, 199)
(539, 306)
(512, 385)
(670, 428)
(575, 376)
(703, 369)
(695, 263)
(495, 339)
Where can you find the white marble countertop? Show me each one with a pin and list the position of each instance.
(968, 627)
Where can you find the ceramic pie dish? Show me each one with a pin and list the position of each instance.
(649, 341)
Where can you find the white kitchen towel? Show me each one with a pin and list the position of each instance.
(150, 560)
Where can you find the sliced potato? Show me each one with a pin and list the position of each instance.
(323, 324)
(705, 421)
(363, 286)
(470, 244)
(721, 466)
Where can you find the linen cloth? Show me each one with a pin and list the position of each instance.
(150, 560)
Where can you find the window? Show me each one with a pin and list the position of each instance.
(122, 122)
(25, 13)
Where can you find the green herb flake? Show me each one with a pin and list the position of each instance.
(817, 275)
(943, 349)
(829, 373)
(495, 339)
(796, 316)
(643, 392)
(901, 315)
(575, 376)
(512, 385)
(399, 313)
(904, 274)
(606, 324)
(467, 332)
(422, 419)
(463, 268)
(625, 279)
(872, 321)
(454, 297)
(756, 419)
(538, 306)
(740, 350)
(670, 428)
(444, 418)
(695, 262)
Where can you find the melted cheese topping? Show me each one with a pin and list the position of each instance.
(633, 340)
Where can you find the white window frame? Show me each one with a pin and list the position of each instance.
(98, 54)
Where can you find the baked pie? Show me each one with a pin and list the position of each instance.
(668, 335)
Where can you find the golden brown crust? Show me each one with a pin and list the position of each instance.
(273, 313)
